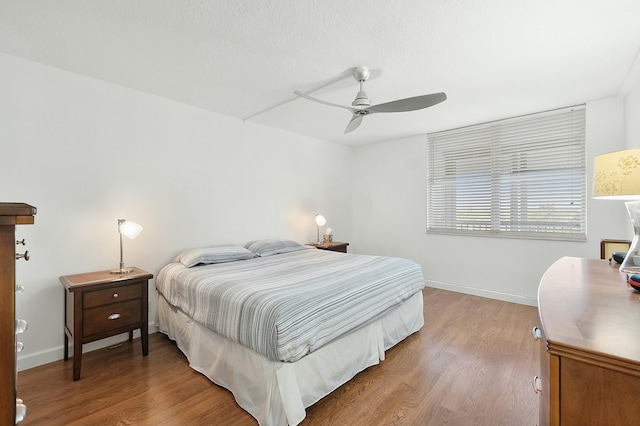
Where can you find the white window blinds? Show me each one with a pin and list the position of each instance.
(522, 177)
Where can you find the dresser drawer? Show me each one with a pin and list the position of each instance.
(112, 295)
(111, 317)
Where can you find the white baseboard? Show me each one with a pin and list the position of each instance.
(46, 356)
(474, 291)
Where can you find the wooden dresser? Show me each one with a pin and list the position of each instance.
(11, 214)
(590, 345)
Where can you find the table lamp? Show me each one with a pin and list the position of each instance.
(320, 221)
(616, 176)
(131, 230)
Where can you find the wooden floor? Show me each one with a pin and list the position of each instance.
(472, 364)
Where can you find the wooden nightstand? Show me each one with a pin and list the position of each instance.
(101, 304)
(333, 246)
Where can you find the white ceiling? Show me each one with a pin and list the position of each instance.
(493, 58)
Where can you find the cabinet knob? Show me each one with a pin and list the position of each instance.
(25, 255)
(20, 326)
(19, 289)
(113, 317)
(114, 295)
(22, 241)
(537, 334)
(537, 384)
(21, 410)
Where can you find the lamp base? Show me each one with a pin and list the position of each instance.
(121, 271)
(631, 262)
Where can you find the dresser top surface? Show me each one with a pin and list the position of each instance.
(16, 213)
(586, 304)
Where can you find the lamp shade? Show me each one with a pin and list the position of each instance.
(130, 229)
(616, 175)
(320, 220)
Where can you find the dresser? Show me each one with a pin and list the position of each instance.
(12, 409)
(102, 304)
(589, 345)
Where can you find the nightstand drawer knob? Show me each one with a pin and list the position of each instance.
(113, 317)
(114, 295)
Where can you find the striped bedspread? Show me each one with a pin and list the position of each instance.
(287, 305)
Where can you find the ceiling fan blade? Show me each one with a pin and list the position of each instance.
(409, 104)
(355, 122)
(311, 98)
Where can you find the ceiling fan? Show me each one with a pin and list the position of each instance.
(361, 106)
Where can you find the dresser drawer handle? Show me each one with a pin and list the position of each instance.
(25, 255)
(537, 334)
(21, 410)
(20, 326)
(114, 295)
(537, 384)
(113, 317)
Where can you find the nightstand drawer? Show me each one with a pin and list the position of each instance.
(111, 317)
(112, 295)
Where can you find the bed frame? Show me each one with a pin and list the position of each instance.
(277, 393)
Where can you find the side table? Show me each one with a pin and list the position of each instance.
(101, 304)
(332, 246)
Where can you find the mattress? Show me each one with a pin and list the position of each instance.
(289, 305)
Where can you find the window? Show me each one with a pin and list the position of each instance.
(522, 177)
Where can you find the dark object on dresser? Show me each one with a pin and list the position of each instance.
(634, 281)
(618, 256)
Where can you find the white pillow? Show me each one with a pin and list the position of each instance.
(270, 247)
(216, 254)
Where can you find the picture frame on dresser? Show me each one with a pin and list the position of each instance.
(609, 246)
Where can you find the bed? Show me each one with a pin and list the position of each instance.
(282, 325)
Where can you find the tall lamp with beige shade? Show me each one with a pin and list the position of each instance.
(616, 176)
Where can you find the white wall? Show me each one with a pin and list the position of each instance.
(389, 219)
(86, 153)
(632, 114)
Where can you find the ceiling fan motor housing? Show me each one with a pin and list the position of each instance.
(361, 100)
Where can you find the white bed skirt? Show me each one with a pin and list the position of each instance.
(277, 393)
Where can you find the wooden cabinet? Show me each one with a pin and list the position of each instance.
(102, 304)
(332, 246)
(11, 214)
(590, 345)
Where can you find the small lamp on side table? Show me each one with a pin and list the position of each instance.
(131, 230)
(320, 221)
